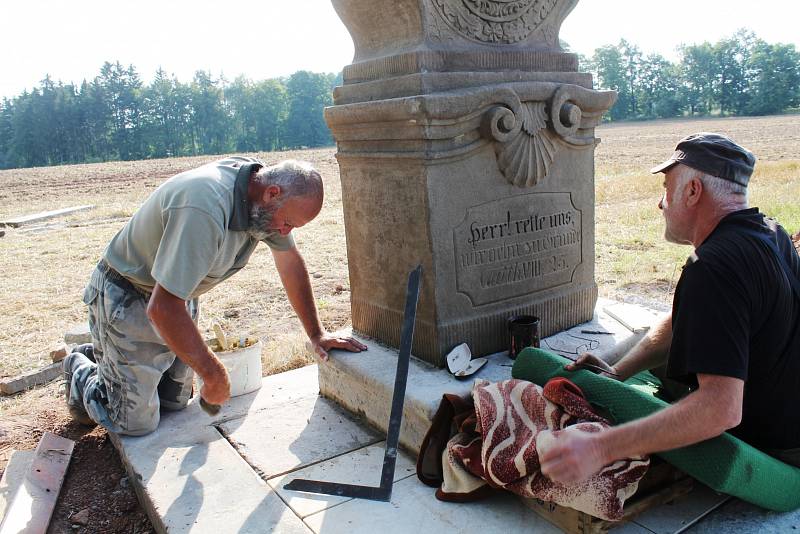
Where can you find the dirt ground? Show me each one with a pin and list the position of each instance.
(43, 269)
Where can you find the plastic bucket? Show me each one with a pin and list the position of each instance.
(243, 365)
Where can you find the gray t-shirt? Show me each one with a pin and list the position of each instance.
(190, 234)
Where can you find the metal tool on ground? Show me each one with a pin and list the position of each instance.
(209, 408)
(384, 491)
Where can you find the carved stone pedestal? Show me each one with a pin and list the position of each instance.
(466, 143)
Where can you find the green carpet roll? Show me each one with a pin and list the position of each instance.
(725, 463)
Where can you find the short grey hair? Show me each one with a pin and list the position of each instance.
(295, 178)
(721, 190)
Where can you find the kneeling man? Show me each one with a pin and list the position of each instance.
(196, 230)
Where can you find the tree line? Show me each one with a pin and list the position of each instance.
(116, 116)
(738, 75)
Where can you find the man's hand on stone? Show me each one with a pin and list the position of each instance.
(216, 384)
(593, 361)
(571, 456)
(325, 342)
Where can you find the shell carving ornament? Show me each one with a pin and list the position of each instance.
(528, 135)
(494, 21)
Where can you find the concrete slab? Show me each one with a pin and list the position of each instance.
(296, 434)
(413, 508)
(684, 512)
(194, 481)
(364, 383)
(275, 390)
(13, 476)
(741, 517)
(362, 466)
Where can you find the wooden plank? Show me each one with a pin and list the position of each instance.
(16, 222)
(11, 386)
(14, 474)
(33, 503)
(661, 484)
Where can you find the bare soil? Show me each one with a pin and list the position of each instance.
(43, 270)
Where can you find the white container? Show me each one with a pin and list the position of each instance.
(243, 365)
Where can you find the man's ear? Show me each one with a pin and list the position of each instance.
(271, 192)
(694, 190)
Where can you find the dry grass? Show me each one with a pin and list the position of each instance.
(632, 257)
(43, 271)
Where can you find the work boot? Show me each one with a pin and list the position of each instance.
(87, 349)
(69, 363)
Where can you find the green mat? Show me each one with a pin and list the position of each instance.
(725, 463)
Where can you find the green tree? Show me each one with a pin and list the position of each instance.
(308, 93)
(698, 69)
(209, 118)
(775, 83)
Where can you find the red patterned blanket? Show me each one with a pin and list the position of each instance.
(495, 442)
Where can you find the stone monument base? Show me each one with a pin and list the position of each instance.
(363, 383)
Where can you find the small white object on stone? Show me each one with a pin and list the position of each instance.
(460, 362)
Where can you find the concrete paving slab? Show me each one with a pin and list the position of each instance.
(275, 390)
(414, 509)
(17, 467)
(196, 482)
(362, 467)
(296, 434)
(683, 512)
(745, 518)
(364, 382)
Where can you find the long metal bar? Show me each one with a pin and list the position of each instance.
(384, 491)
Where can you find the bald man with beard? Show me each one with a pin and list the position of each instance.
(196, 230)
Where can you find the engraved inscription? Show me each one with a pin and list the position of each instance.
(494, 21)
(516, 246)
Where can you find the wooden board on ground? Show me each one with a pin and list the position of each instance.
(17, 466)
(662, 484)
(12, 386)
(16, 222)
(33, 503)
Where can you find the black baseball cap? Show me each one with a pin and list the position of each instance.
(713, 154)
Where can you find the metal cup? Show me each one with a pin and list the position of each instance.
(523, 332)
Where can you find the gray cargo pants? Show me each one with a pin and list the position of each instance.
(136, 374)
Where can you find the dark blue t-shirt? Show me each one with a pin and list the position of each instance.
(735, 314)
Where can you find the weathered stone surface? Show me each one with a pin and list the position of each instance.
(466, 144)
(296, 434)
(78, 334)
(362, 466)
(11, 386)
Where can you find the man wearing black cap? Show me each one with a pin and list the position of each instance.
(733, 337)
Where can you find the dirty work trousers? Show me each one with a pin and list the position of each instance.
(136, 374)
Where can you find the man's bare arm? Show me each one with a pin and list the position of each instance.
(713, 408)
(294, 276)
(169, 316)
(650, 352)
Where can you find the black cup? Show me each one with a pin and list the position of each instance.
(523, 332)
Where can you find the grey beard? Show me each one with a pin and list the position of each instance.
(260, 220)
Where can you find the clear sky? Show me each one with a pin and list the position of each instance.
(270, 38)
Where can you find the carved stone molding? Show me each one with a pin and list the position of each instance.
(494, 21)
(528, 134)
